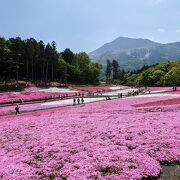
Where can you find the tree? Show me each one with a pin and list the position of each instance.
(82, 66)
(42, 62)
(108, 69)
(32, 60)
(6, 61)
(16, 47)
(173, 76)
(95, 70)
(115, 69)
(62, 69)
(68, 56)
(54, 59)
(31, 47)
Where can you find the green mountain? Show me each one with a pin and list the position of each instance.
(133, 54)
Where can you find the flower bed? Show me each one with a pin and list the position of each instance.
(161, 88)
(92, 89)
(175, 92)
(30, 95)
(160, 103)
(104, 140)
(23, 108)
(9, 110)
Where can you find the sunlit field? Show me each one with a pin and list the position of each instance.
(122, 138)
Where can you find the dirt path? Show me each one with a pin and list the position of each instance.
(170, 172)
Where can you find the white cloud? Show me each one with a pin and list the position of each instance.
(161, 30)
(178, 30)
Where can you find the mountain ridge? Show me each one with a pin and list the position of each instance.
(133, 53)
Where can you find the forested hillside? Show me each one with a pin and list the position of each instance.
(162, 74)
(32, 60)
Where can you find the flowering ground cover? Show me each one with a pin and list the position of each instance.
(23, 108)
(103, 140)
(92, 89)
(28, 95)
(176, 92)
(162, 88)
(116, 87)
(160, 103)
(35, 93)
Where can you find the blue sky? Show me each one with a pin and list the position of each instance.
(84, 25)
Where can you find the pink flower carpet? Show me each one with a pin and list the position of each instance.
(104, 140)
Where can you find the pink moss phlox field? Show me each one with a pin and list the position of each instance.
(103, 140)
(9, 96)
(175, 92)
(92, 89)
(8, 110)
(160, 103)
(162, 88)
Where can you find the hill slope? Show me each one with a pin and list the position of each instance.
(132, 54)
(162, 74)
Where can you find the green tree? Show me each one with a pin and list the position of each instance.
(95, 70)
(16, 47)
(115, 69)
(173, 76)
(68, 56)
(108, 69)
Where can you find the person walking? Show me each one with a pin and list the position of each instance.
(78, 100)
(74, 101)
(120, 95)
(82, 100)
(17, 109)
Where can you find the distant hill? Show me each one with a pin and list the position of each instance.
(162, 74)
(132, 54)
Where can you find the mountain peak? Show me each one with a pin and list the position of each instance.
(134, 53)
(125, 44)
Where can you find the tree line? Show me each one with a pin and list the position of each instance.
(35, 61)
(162, 74)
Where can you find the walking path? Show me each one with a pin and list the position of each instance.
(68, 102)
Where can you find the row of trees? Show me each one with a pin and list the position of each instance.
(33, 60)
(162, 74)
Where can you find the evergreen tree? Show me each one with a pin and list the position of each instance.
(108, 69)
(115, 69)
(32, 60)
